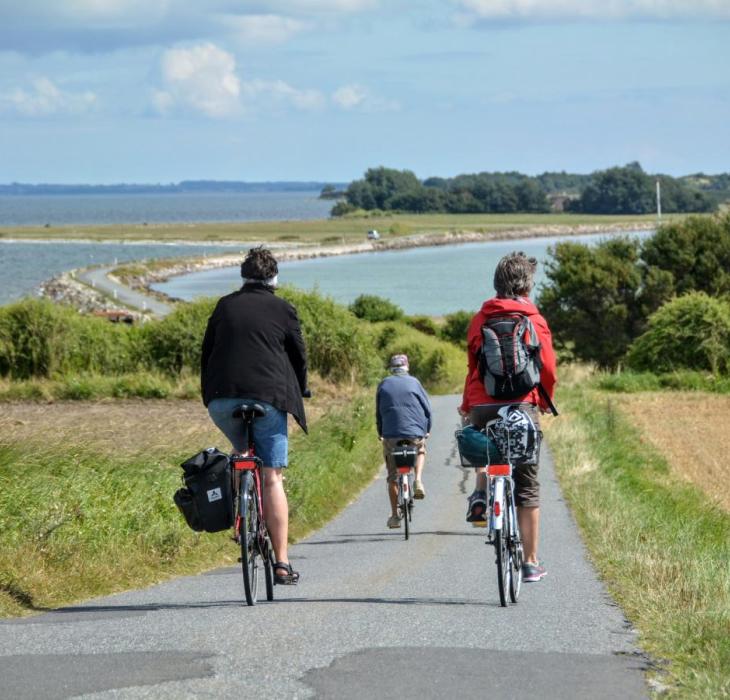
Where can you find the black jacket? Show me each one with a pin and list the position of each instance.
(253, 348)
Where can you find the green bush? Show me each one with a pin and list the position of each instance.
(339, 347)
(374, 308)
(690, 332)
(455, 327)
(174, 343)
(41, 339)
(425, 324)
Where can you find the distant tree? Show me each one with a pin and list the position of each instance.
(694, 252)
(618, 191)
(593, 299)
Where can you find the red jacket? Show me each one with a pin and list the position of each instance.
(474, 392)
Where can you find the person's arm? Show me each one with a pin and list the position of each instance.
(206, 350)
(297, 353)
(426, 405)
(548, 373)
(378, 417)
(474, 342)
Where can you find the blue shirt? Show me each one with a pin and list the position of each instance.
(402, 408)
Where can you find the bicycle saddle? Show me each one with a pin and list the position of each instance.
(248, 409)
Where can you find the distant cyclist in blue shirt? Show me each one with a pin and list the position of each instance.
(402, 412)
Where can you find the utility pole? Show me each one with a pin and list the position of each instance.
(658, 201)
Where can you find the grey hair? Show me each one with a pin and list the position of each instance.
(514, 275)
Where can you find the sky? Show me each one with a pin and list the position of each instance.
(107, 91)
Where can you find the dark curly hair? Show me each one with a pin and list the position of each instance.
(514, 275)
(259, 264)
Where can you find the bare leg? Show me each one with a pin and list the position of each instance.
(420, 461)
(529, 520)
(481, 479)
(276, 508)
(393, 496)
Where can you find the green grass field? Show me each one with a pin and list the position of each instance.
(341, 230)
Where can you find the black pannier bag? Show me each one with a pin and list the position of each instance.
(206, 502)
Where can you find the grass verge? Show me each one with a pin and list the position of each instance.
(344, 230)
(681, 380)
(661, 547)
(84, 518)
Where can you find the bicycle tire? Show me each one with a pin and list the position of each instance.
(248, 535)
(268, 571)
(515, 554)
(403, 505)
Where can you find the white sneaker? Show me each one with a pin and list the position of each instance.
(393, 522)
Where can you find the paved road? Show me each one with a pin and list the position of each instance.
(374, 616)
(97, 278)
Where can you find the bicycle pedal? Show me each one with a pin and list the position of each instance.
(479, 523)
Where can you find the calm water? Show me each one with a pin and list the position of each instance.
(56, 210)
(23, 266)
(431, 281)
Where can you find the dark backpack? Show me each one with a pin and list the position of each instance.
(509, 360)
(206, 502)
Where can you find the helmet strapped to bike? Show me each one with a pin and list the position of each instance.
(516, 435)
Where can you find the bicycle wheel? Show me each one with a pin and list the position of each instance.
(249, 525)
(268, 570)
(403, 505)
(515, 554)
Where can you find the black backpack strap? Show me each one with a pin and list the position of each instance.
(546, 397)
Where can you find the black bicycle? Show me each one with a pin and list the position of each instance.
(250, 523)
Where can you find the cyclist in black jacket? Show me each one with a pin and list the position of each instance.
(253, 349)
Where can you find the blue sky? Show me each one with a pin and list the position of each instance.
(106, 91)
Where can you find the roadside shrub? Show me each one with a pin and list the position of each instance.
(42, 339)
(374, 308)
(339, 347)
(425, 324)
(174, 343)
(455, 327)
(689, 332)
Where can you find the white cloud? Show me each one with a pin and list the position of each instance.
(42, 26)
(356, 97)
(349, 96)
(264, 29)
(46, 99)
(279, 91)
(576, 10)
(202, 78)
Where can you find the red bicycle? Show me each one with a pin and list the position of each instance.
(249, 523)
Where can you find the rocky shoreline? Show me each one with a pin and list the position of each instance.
(66, 289)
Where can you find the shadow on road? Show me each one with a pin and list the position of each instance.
(349, 538)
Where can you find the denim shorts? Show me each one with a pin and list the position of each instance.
(270, 430)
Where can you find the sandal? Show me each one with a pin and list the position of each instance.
(291, 578)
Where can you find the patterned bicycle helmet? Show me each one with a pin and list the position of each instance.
(516, 436)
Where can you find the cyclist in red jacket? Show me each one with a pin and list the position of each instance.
(513, 281)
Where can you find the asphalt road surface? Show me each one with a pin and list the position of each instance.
(97, 278)
(374, 616)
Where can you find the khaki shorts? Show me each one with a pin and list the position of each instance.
(390, 444)
(527, 486)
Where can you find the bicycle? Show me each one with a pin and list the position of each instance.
(405, 462)
(249, 525)
(504, 531)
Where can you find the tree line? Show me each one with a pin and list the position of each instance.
(619, 190)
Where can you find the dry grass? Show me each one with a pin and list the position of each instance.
(691, 431)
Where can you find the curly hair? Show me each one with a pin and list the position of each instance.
(259, 264)
(514, 275)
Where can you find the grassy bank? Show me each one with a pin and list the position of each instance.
(660, 545)
(86, 508)
(344, 230)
